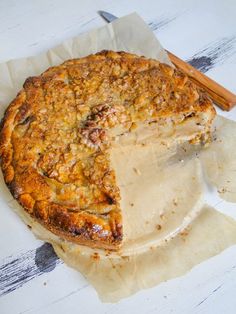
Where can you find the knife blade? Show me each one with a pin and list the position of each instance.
(220, 95)
(108, 17)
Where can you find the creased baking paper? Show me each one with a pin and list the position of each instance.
(167, 229)
(219, 159)
(129, 33)
(114, 279)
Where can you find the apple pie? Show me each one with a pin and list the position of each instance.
(57, 134)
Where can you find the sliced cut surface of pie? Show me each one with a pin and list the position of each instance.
(57, 135)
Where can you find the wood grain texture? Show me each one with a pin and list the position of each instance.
(213, 54)
(18, 270)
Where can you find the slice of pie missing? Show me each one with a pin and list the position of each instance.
(57, 135)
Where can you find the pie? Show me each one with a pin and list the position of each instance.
(57, 134)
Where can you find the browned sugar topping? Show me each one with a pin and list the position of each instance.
(56, 136)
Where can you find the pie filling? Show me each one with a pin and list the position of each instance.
(195, 127)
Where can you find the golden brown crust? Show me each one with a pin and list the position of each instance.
(56, 135)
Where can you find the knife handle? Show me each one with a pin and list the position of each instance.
(222, 97)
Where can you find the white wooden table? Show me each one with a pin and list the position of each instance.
(32, 279)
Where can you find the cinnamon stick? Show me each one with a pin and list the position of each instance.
(222, 97)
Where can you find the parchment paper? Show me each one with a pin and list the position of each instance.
(219, 159)
(129, 33)
(114, 279)
(167, 230)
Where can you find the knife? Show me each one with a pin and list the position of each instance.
(222, 97)
(108, 17)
